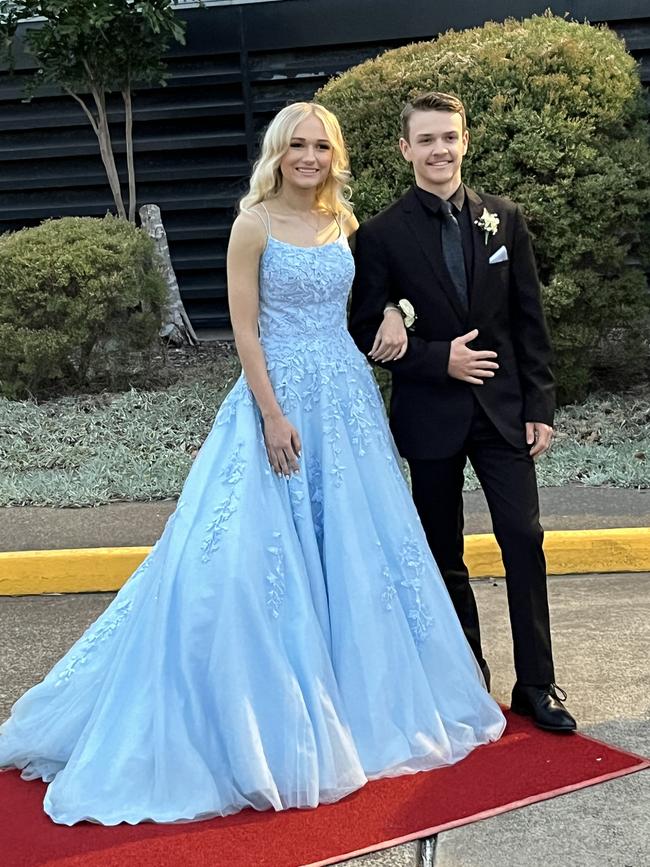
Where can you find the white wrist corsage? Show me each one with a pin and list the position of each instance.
(488, 223)
(408, 312)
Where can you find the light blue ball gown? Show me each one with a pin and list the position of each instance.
(286, 640)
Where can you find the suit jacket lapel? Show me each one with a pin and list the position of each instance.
(481, 250)
(431, 247)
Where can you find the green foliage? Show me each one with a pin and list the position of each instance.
(91, 449)
(88, 449)
(76, 294)
(89, 49)
(558, 123)
(109, 43)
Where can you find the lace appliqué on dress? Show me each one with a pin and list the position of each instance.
(232, 474)
(413, 560)
(89, 641)
(275, 578)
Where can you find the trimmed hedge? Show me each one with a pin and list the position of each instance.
(558, 123)
(77, 295)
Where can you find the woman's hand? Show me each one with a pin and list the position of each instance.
(391, 341)
(282, 444)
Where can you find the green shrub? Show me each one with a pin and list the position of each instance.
(76, 296)
(557, 123)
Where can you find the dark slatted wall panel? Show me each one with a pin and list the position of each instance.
(191, 152)
(637, 39)
(195, 138)
(198, 230)
(203, 178)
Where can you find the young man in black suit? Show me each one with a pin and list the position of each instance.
(474, 380)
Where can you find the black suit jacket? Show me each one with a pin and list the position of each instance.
(399, 256)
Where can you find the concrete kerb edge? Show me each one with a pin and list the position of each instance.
(84, 570)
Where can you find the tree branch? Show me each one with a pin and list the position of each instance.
(87, 111)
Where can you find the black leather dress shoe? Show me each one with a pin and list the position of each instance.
(485, 670)
(544, 705)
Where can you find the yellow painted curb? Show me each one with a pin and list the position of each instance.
(94, 569)
(75, 570)
(570, 552)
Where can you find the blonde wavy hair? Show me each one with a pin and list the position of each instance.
(333, 196)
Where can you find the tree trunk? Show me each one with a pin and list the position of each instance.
(108, 159)
(128, 109)
(100, 128)
(106, 149)
(176, 326)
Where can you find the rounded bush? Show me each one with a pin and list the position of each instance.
(557, 122)
(75, 295)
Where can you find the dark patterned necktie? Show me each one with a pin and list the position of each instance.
(452, 252)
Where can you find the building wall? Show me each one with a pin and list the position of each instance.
(195, 138)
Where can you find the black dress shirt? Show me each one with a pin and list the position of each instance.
(432, 204)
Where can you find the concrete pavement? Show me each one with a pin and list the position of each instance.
(31, 528)
(601, 627)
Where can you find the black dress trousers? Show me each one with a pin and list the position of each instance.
(507, 476)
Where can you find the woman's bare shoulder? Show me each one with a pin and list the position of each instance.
(249, 228)
(350, 223)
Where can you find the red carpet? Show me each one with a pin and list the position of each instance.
(525, 766)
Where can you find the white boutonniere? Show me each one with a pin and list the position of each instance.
(408, 312)
(488, 223)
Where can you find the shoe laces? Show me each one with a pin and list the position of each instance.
(555, 689)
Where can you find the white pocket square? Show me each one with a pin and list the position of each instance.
(501, 255)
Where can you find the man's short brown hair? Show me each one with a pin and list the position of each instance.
(432, 101)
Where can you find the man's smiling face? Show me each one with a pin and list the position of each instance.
(436, 146)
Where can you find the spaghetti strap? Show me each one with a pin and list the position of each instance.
(268, 219)
(265, 220)
(339, 219)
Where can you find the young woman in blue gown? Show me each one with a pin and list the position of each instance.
(289, 636)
